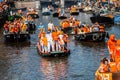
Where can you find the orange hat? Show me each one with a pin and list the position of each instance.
(118, 41)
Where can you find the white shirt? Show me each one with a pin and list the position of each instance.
(50, 25)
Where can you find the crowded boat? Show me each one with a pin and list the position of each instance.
(53, 42)
(15, 31)
(94, 33)
(33, 13)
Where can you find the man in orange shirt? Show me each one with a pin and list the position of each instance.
(111, 46)
(55, 40)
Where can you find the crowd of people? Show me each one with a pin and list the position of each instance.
(15, 27)
(113, 63)
(79, 27)
(53, 40)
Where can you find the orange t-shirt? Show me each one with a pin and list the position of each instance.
(54, 35)
(113, 67)
(45, 41)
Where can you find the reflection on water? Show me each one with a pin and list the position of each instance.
(54, 69)
(21, 61)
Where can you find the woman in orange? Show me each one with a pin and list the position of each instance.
(111, 46)
(45, 43)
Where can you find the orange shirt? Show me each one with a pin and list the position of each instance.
(54, 35)
(113, 67)
(111, 44)
(45, 41)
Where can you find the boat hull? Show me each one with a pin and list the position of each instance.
(56, 14)
(34, 16)
(12, 37)
(52, 54)
(102, 19)
(74, 13)
(92, 36)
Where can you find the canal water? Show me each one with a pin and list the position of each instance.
(21, 61)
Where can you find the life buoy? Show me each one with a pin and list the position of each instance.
(95, 37)
(101, 36)
(82, 36)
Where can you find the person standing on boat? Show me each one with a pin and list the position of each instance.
(50, 26)
(45, 43)
(41, 26)
(111, 46)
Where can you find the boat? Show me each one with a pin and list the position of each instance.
(52, 53)
(46, 12)
(55, 14)
(34, 15)
(102, 17)
(103, 75)
(74, 13)
(14, 37)
(62, 17)
(92, 36)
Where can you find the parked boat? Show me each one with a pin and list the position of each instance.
(13, 37)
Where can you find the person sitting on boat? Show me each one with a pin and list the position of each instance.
(73, 8)
(111, 46)
(50, 26)
(95, 27)
(102, 28)
(113, 66)
(104, 66)
(45, 43)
